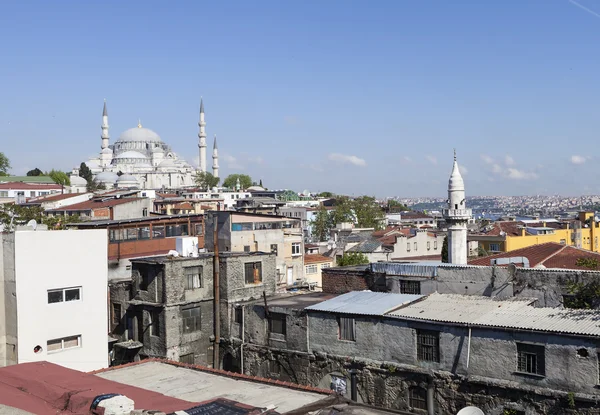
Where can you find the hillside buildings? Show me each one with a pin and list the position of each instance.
(53, 298)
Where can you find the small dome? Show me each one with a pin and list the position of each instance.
(255, 189)
(77, 181)
(127, 178)
(107, 177)
(107, 151)
(131, 155)
(139, 134)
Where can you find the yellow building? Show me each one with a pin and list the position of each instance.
(507, 236)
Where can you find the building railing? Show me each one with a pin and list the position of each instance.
(457, 213)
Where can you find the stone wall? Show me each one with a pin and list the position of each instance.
(340, 280)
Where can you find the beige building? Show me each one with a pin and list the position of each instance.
(313, 265)
(250, 232)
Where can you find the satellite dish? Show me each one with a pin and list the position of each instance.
(470, 410)
(33, 224)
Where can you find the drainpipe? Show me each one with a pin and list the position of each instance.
(353, 385)
(217, 295)
(243, 339)
(469, 350)
(430, 397)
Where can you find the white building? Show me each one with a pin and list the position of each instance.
(457, 216)
(53, 298)
(140, 159)
(229, 198)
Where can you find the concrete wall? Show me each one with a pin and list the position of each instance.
(51, 260)
(232, 278)
(133, 209)
(8, 301)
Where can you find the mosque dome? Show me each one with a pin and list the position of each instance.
(255, 189)
(77, 181)
(139, 133)
(127, 178)
(107, 177)
(131, 155)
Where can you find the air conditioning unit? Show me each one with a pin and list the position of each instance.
(187, 246)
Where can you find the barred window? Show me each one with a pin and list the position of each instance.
(531, 359)
(253, 272)
(346, 328)
(410, 287)
(428, 345)
(418, 398)
(193, 278)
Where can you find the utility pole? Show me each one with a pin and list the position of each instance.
(217, 294)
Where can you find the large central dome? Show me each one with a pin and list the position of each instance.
(139, 134)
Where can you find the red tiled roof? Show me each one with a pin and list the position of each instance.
(45, 388)
(97, 204)
(547, 255)
(316, 258)
(29, 186)
(183, 205)
(53, 198)
(511, 228)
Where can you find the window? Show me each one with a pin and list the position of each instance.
(563, 241)
(144, 232)
(145, 212)
(56, 345)
(116, 314)
(187, 358)
(428, 245)
(530, 359)
(494, 247)
(408, 246)
(296, 248)
(346, 328)
(415, 245)
(323, 266)
(144, 279)
(246, 248)
(177, 230)
(158, 232)
(4, 193)
(274, 249)
(246, 226)
(311, 269)
(434, 245)
(253, 272)
(239, 315)
(277, 323)
(193, 278)
(64, 294)
(428, 343)
(199, 229)
(155, 323)
(130, 234)
(418, 398)
(410, 287)
(191, 319)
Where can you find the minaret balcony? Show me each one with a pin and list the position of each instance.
(457, 213)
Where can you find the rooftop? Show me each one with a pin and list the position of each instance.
(154, 218)
(161, 259)
(29, 186)
(365, 303)
(316, 258)
(299, 301)
(53, 197)
(96, 204)
(197, 384)
(27, 179)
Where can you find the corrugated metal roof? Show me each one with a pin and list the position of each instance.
(511, 314)
(412, 270)
(365, 303)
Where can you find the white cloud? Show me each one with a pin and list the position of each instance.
(463, 170)
(487, 159)
(431, 159)
(345, 158)
(578, 159)
(496, 169)
(256, 160)
(509, 161)
(232, 162)
(407, 159)
(516, 174)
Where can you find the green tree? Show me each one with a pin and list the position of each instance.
(231, 180)
(60, 177)
(35, 172)
(206, 180)
(94, 185)
(321, 224)
(325, 194)
(4, 165)
(352, 258)
(396, 206)
(445, 250)
(260, 183)
(343, 211)
(86, 173)
(11, 214)
(367, 212)
(583, 296)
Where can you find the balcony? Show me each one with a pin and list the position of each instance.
(457, 213)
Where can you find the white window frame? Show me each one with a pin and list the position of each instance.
(196, 278)
(64, 294)
(497, 246)
(312, 269)
(62, 344)
(296, 246)
(325, 265)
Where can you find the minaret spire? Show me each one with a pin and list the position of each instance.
(105, 137)
(457, 216)
(215, 157)
(202, 138)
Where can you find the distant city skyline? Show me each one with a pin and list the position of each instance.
(337, 96)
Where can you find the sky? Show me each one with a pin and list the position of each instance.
(353, 97)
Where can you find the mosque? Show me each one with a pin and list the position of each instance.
(140, 159)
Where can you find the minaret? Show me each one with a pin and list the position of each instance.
(215, 158)
(457, 216)
(104, 127)
(202, 138)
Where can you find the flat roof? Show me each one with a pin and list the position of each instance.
(196, 385)
(103, 223)
(161, 259)
(365, 303)
(299, 301)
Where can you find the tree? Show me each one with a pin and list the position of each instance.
(325, 194)
(321, 224)
(94, 186)
(343, 211)
(368, 213)
(231, 180)
(206, 180)
(11, 214)
(35, 172)
(86, 173)
(60, 177)
(583, 296)
(445, 250)
(352, 258)
(4, 165)
(396, 206)
(260, 183)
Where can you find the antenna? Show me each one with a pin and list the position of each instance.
(33, 224)
(470, 410)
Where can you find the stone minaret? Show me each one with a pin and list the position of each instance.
(202, 138)
(457, 216)
(215, 158)
(104, 127)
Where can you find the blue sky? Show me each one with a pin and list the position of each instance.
(356, 97)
